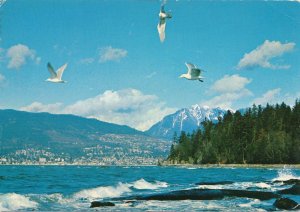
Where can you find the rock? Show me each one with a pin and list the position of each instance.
(95, 204)
(208, 194)
(215, 183)
(295, 190)
(261, 195)
(192, 194)
(286, 203)
(290, 181)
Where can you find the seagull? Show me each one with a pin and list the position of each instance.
(193, 73)
(56, 76)
(161, 26)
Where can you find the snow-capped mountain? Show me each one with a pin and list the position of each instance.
(186, 119)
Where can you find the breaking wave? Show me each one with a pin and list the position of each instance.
(143, 184)
(285, 174)
(118, 190)
(103, 192)
(13, 201)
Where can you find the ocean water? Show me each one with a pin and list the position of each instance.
(72, 188)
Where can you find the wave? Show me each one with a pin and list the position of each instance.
(103, 192)
(237, 185)
(143, 184)
(53, 198)
(262, 185)
(285, 174)
(13, 201)
(250, 203)
(118, 190)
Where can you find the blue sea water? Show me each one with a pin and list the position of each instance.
(72, 188)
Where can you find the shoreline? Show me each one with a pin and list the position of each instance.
(294, 166)
(290, 166)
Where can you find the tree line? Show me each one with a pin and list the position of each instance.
(259, 135)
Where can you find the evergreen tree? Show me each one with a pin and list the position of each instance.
(260, 135)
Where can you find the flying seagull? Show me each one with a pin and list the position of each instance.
(56, 76)
(161, 26)
(193, 73)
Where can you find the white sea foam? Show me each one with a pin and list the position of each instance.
(13, 201)
(143, 184)
(183, 205)
(285, 174)
(55, 197)
(116, 191)
(262, 185)
(237, 185)
(212, 186)
(103, 192)
(250, 203)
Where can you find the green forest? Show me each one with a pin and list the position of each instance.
(259, 135)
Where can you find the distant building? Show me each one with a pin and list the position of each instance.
(42, 160)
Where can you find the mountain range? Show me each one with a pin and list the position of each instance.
(186, 119)
(26, 136)
(31, 137)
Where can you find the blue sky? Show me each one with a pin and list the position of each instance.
(119, 71)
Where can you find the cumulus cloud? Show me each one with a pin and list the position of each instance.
(268, 97)
(275, 96)
(19, 54)
(111, 54)
(39, 107)
(229, 84)
(127, 107)
(261, 56)
(228, 89)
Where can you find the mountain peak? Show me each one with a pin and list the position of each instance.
(186, 119)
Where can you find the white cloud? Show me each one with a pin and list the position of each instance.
(111, 54)
(261, 56)
(268, 97)
(228, 90)
(151, 75)
(127, 107)
(275, 96)
(2, 51)
(226, 100)
(87, 60)
(19, 54)
(290, 99)
(231, 83)
(39, 107)
(2, 79)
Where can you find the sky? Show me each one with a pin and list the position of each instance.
(118, 70)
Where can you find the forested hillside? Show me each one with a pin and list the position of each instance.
(262, 135)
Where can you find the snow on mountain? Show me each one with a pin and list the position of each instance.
(186, 119)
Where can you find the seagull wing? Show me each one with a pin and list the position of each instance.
(190, 66)
(195, 72)
(51, 71)
(60, 71)
(161, 29)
